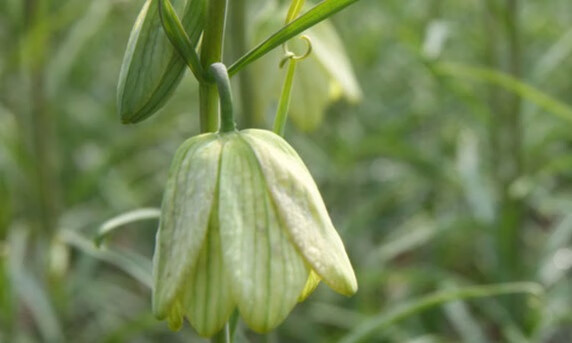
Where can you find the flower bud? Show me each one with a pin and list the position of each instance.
(242, 226)
(152, 68)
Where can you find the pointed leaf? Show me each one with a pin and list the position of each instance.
(322, 78)
(316, 14)
(185, 213)
(267, 272)
(301, 208)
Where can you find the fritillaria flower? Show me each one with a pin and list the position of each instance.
(242, 226)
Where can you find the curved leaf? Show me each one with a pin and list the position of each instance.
(123, 219)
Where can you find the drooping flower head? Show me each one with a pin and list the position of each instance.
(242, 226)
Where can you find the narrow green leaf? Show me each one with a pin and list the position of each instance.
(176, 33)
(123, 219)
(152, 68)
(316, 14)
(526, 91)
(135, 265)
(387, 319)
(29, 289)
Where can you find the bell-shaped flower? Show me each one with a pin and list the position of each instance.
(242, 226)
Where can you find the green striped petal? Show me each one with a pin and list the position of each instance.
(267, 272)
(211, 302)
(185, 214)
(300, 207)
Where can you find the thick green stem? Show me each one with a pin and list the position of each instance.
(211, 52)
(250, 114)
(220, 74)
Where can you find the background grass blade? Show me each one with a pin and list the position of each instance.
(526, 91)
(133, 264)
(124, 219)
(387, 319)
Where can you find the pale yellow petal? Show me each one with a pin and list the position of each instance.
(311, 284)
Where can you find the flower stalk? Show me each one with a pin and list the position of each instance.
(211, 52)
(219, 73)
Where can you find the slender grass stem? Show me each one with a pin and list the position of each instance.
(284, 103)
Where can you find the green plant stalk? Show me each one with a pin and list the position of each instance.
(220, 74)
(387, 319)
(284, 103)
(250, 114)
(211, 52)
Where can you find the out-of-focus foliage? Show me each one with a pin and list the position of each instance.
(440, 178)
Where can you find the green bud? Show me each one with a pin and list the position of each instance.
(152, 68)
(242, 226)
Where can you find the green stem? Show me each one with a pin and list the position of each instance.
(220, 74)
(249, 112)
(223, 336)
(211, 52)
(282, 111)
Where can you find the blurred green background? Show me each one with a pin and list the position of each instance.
(453, 170)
